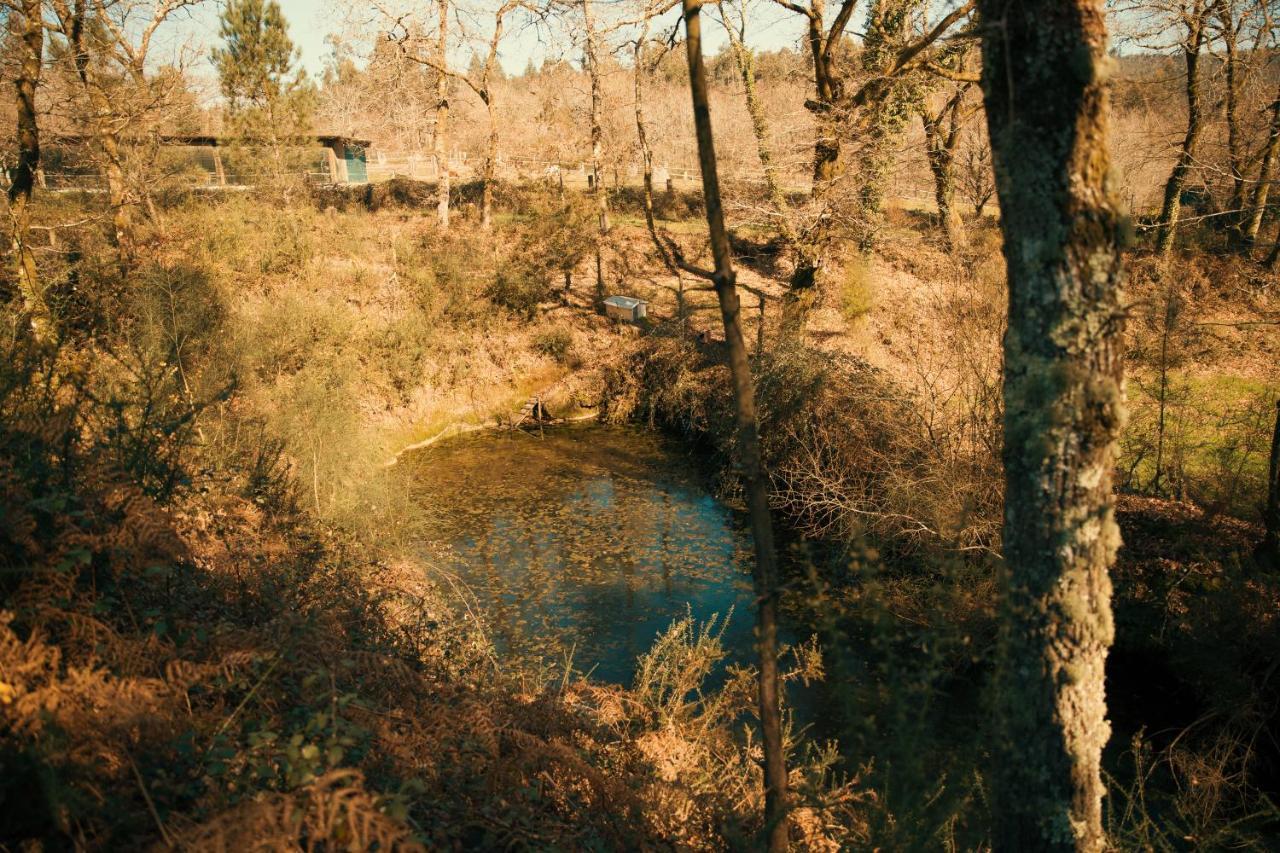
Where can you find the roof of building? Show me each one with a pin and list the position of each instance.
(623, 301)
(217, 140)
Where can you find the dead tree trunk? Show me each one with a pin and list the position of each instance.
(749, 457)
(1047, 110)
(23, 177)
(440, 136)
(1172, 206)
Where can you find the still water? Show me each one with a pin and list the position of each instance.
(589, 541)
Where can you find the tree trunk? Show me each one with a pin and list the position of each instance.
(646, 151)
(73, 24)
(646, 163)
(490, 169)
(117, 193)
(1172, 207)
(941, 136)
(440, 137)
(1047, 111)
(1258, 208)
(827, 167)
(826, 160)
(746, 62)
(826, 127)
(24, 173)
(597, 147)
(1268, 553)
(1235, 156)
(749, 458)
(112, 167)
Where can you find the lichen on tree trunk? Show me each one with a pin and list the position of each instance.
(1044, 80)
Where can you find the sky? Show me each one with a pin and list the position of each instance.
(312, 21)
(308, 27)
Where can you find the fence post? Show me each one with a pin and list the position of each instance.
(219, 170)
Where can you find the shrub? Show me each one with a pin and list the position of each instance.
(444, 273)
(555, 343)
(519, 288)
(856, 295)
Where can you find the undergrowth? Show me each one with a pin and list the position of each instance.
(202, 643)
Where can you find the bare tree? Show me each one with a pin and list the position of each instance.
(439, 134)
(1046, 96)
(824, 43)
(1266, 170)
(26, 20)
(1242, 29)
(109, 42)
(748, 449)
(1230, 29)
(480, 81)
(977, 183)
(1192, 16)
(745, 60)
(72, 23)
(591, 56)
(642, 70)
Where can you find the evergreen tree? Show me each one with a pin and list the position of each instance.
(269, 104)
(256, 64)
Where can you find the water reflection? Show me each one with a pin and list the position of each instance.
(591, 538)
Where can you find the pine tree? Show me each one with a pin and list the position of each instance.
(268, 103)
(255, 65)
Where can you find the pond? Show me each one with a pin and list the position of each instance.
(589, 541)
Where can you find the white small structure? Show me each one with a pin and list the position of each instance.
(626, 308)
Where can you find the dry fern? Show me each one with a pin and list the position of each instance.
(335, 812)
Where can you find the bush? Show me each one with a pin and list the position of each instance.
(847, 450)
(519, 289)
(444, 274)
(856, 296)
(555, 343)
